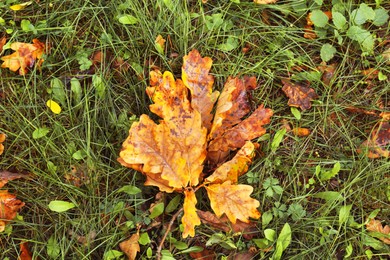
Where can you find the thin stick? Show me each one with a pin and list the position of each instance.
(160, 246)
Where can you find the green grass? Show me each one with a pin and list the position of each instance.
(98, 124)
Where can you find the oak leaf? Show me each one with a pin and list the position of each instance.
(2, 139)
(190, 218)
(24, 57)
(6, 176)
(231, 170)
(173, 151)
(9, 206)
(234, 201)
(225, 225)
(25, 253)
(299, 95)
(196, 77)
(130, 246)
(378, 141)
(3, 40)
(376, 226)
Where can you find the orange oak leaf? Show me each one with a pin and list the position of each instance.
(9, 206)
(6, 176)
(190, 219)
(236, 137)
(231, 170)
(172, 152)
(130, 246)
(24, 56)
(3, 40)
(234, 201)
(175, 148)
(299, 95)
(376, 144)
(2, 139)
(196, 77)
(25, 253)
(232, 105)
(376, 226)
(300, 131)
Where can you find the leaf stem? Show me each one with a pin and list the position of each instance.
(160, 246)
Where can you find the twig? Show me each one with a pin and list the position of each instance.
(160, 246)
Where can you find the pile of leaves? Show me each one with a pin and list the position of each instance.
(190, 148)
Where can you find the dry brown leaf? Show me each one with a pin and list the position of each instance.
(190, 219)
(24, 57)
(2, 139)
(376, 226)
(378, 141)
(205, 254)
(237, 136)
(9, 207)
(234, 201)
(225, 225)
(328, 72)
(264, 2)
(6, 176)
(130, 246)
(299, 95)
(196, 77)
(78, 175)
(25, 253)
(233, 104)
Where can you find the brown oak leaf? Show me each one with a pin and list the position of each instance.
(196, 77)
(9, 207)
(234, 201)
(299, 95)
(236, 137)
(6, 176)
(190, 219)
(130, 246)
(24, 57)
(376, 226)
(378, 141)
(225, 225)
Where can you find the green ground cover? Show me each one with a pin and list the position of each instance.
(319, 183)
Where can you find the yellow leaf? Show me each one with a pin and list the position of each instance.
(19, 7)
(2, 139)
(190, 218)
(263, 2)
(173, 150)
(160, 44)
(54, 106)
(231, 170)
(234, 201)
(131, 246)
